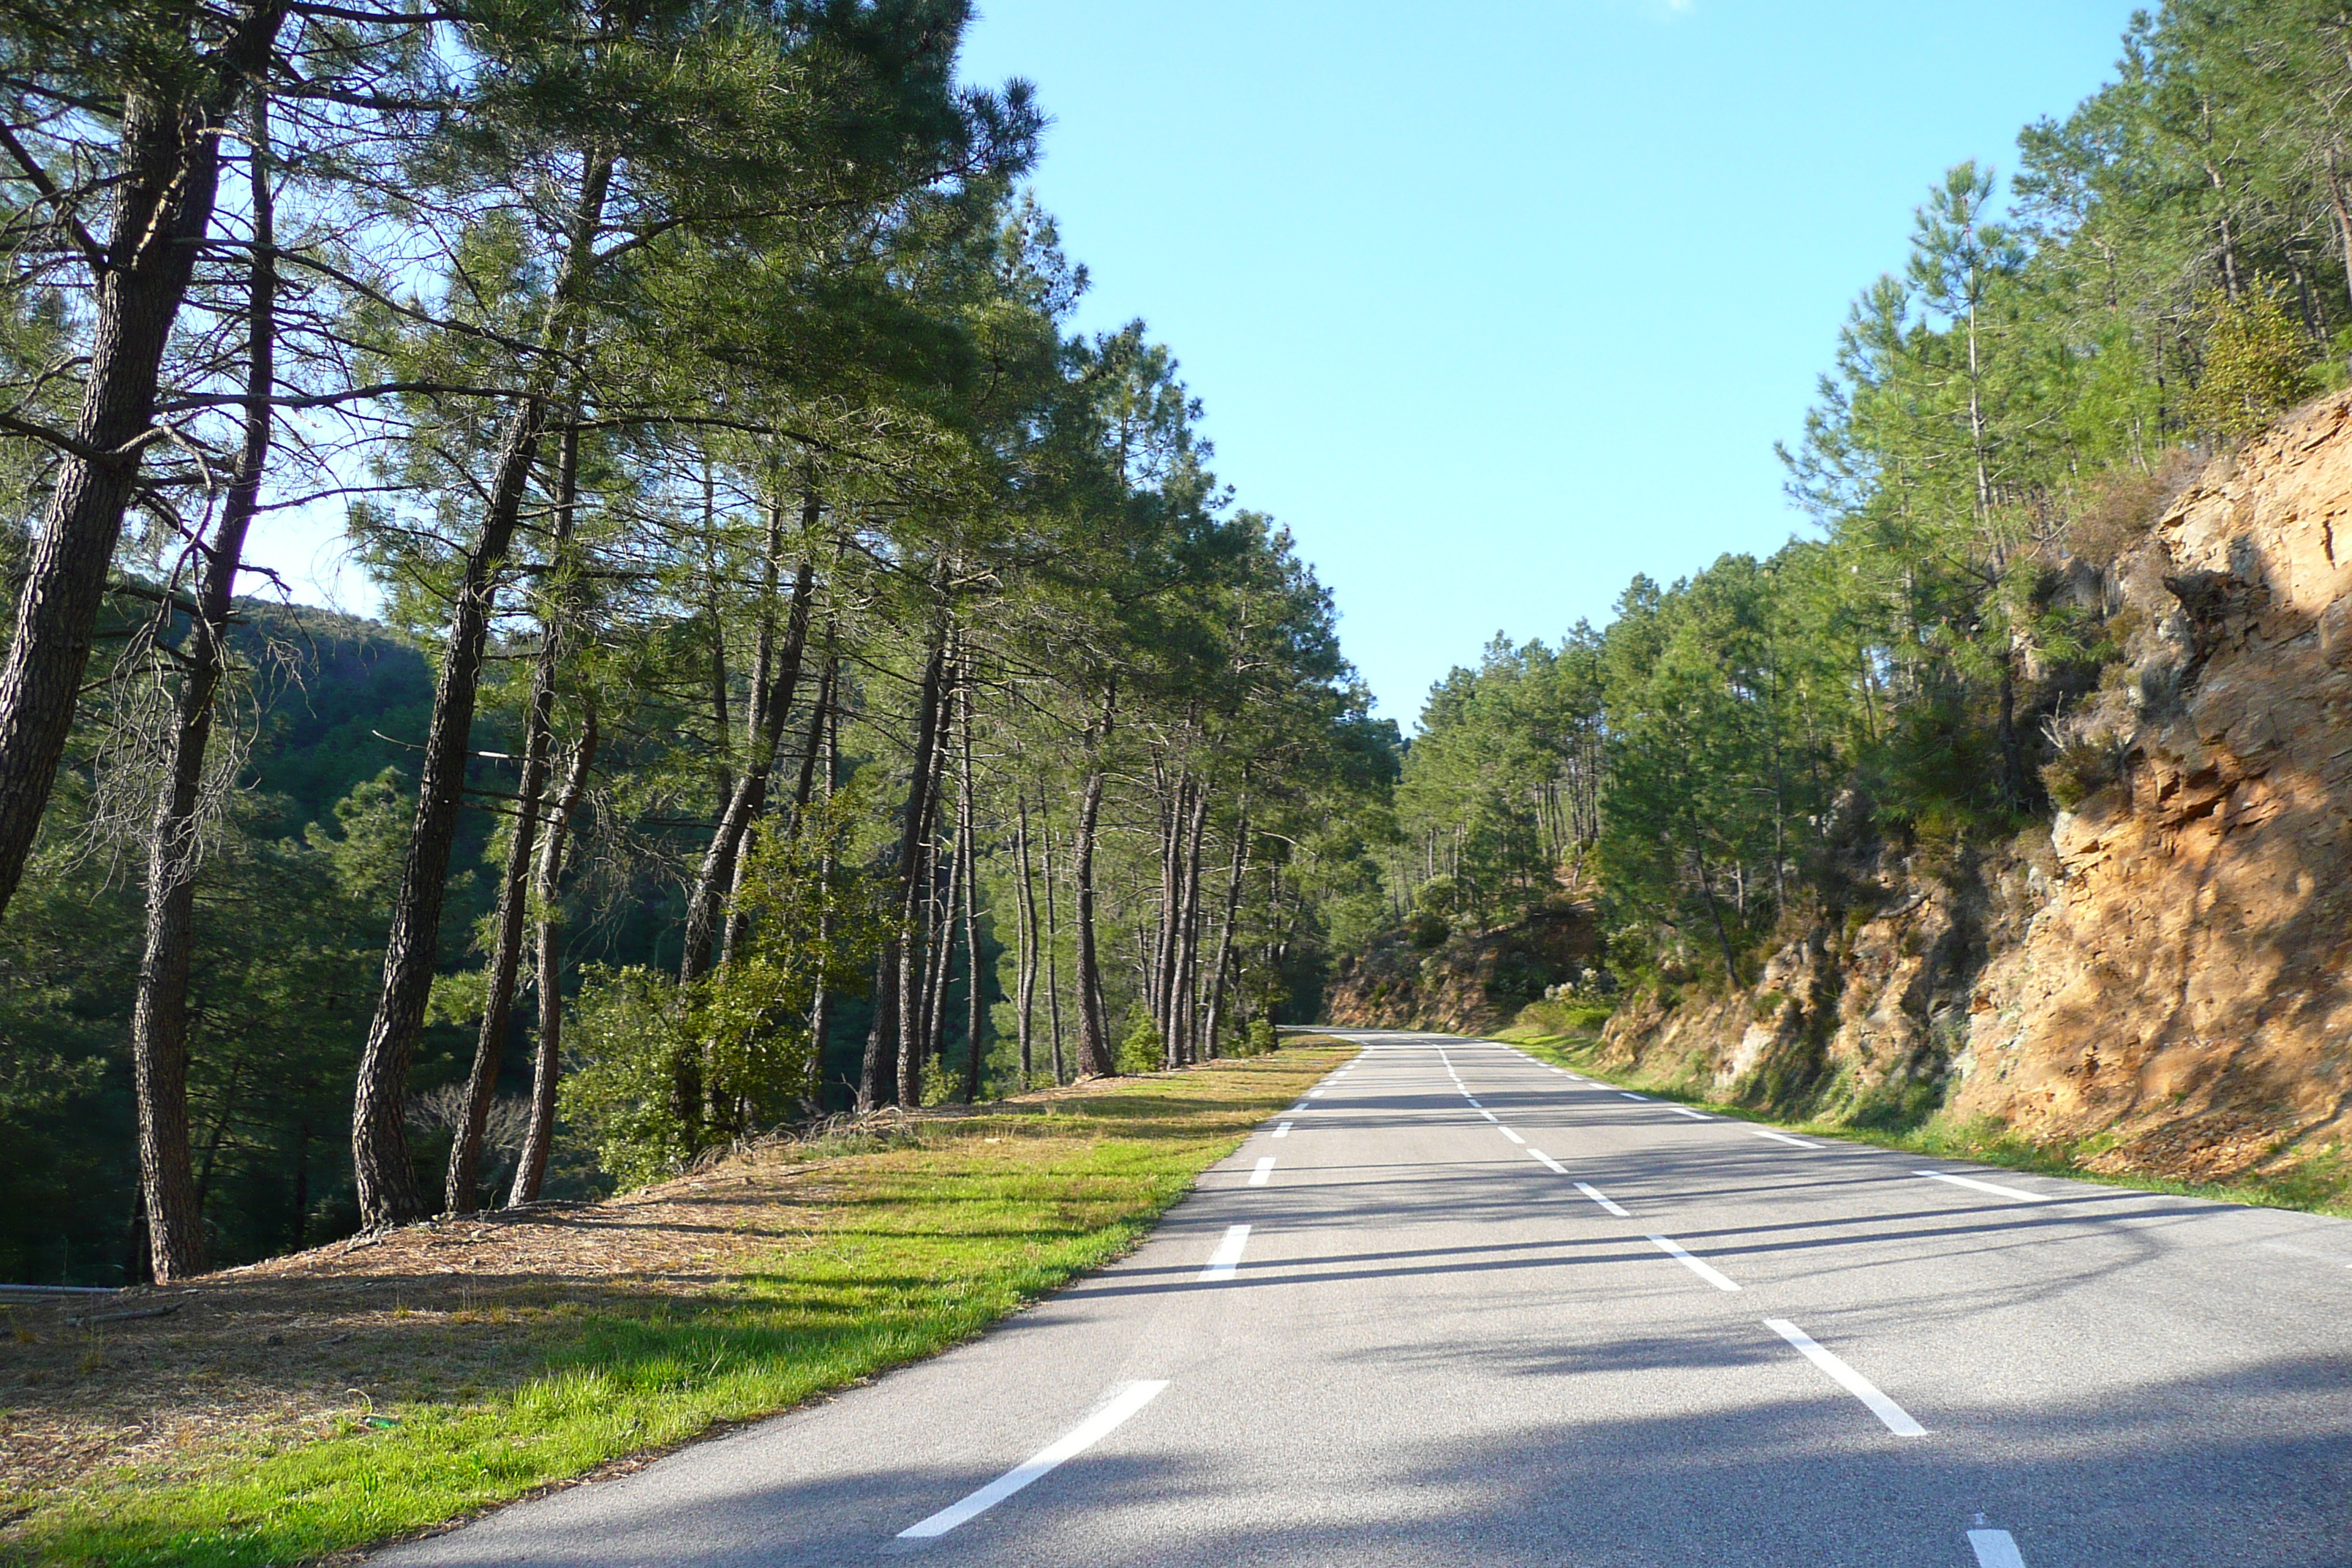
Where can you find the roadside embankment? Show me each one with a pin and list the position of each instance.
(2158, 984)
(325, 1401)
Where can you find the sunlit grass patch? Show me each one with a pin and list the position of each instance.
(2317, 1179)
(921, 1241)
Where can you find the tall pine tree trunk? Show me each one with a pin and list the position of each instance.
(1225, 928)
(966, 821)
(1096, 1055)
(165, 183)
(382, 1170)
(887, 1052)
(1053, 954)
(1188, 957)
(547, 1062)
(732, 923)
(827, 731)
(1025, 913)
(159, 1021)
(915, 971)
(1159, 976)
(877, 1080)
(772, 705)
(939, 964)
(1714, 914)
(458, 1195)
(938, 910)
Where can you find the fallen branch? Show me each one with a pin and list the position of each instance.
(126, 1317)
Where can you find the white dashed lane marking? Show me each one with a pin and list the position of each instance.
(1898, 1420)
(1699, 1267)
(1994, 1548)
(1086, 1435)
(1594, 1192)
(1228, 1255)
(1997, 1190)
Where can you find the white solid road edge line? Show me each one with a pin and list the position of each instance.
(1085, 1436)
(1228, 1254)
(1996, 1189)
(1671, 1250)
(1995, 1549)
(1594, 1192)
(1264, 1172)
(1898, 1421)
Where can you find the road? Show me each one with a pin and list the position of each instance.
(1486, 1311)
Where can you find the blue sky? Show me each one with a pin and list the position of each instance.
(1495, 304)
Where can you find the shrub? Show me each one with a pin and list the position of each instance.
(1565, 1016)
(1143, 1050)
(2082, 768)
(2255, 364)
(626, 1040)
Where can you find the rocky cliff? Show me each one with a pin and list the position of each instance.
(2162, 980)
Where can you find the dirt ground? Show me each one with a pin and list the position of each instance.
(167, 1380)
(289, 1346)
(309, 1342)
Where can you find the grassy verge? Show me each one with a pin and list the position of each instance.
(2317, 1180)
(900, 1252)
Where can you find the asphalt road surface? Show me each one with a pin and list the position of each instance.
(1457, 1307)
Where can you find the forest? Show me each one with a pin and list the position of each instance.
(2165, 270)
(812, 675)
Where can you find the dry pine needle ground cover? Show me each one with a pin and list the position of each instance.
(314, 1403)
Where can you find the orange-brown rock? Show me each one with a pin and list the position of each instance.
(2170, 966)
(2185, 979)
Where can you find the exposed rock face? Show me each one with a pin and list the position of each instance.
(2171, 965)
(2184, 982)
(1470, 984)
(1864, 1014)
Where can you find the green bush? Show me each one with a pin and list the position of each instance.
(2081, 770)
(628, 1041)
(1565, 1017)
(1143, 1050)
(939, 1087)
(2255, 364)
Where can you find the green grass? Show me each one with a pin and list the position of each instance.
(922, 1246)
(2318, 1181)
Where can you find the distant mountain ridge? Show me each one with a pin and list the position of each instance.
(342, 697)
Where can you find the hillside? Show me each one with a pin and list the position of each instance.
(2157, 980)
